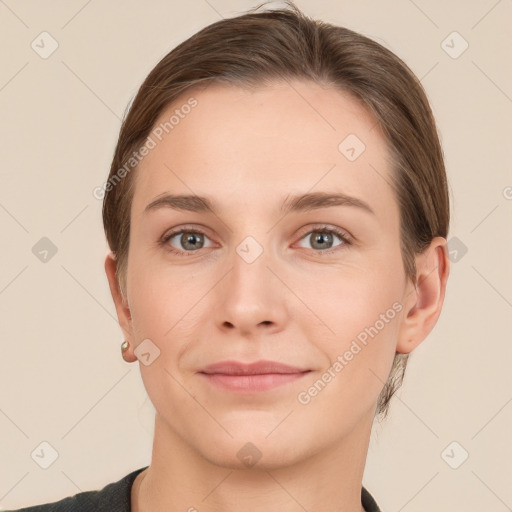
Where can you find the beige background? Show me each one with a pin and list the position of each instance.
(62, 379)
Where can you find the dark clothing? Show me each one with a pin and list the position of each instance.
(115, 497)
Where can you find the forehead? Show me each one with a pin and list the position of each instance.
(257, 146)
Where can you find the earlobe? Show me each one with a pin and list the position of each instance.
(121, 304)
(424, 299)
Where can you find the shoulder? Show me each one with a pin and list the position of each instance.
(369, 504)
(114, 497)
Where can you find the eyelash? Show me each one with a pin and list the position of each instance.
(346, 239)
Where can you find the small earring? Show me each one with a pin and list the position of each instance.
(124, 348)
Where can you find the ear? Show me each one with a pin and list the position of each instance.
(121, 304)
(423, 300)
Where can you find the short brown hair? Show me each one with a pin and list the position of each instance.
(260, 48)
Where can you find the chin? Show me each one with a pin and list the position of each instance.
(247, 455)
(252, 447)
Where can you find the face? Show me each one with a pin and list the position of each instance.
(313, 283)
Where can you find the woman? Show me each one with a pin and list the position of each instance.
(277, 213)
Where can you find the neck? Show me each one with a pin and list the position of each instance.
(180, 478)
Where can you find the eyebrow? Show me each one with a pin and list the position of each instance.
(295, 203)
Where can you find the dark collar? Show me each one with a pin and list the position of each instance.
(116, 497)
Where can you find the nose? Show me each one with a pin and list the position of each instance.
(251, 299)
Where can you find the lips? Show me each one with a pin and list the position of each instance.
(257, 368)
(253, 378)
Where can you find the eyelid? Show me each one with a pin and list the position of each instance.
(341, 233)
(168, 235)
(346, 238)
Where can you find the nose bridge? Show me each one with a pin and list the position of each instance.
(251, 295)
(249, 278)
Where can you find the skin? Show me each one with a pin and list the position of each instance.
(248, 151)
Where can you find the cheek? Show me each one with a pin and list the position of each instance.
(360, 315)
(357, 364)
(158, 308)
(352, 299)
(165, 306)
(157, 296)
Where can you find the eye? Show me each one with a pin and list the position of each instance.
(190, 240)
(321, 238)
